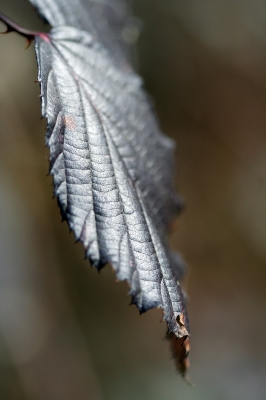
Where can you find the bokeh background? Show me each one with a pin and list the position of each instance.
(67, 332)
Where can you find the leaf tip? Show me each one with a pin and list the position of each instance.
(180, 347)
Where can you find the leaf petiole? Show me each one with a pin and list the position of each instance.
(12, 26)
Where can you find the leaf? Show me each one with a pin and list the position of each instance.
(112, 166)
(105, 20)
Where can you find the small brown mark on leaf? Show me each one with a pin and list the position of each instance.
(70, 122)
(173, 226)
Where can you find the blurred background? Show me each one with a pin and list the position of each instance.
(67, 332)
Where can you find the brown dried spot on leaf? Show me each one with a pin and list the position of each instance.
(180, 346)
(70, 122)
(173, 225)
(180, 349)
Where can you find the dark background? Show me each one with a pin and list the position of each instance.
(67, 332)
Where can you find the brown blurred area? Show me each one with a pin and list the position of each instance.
(67, 332)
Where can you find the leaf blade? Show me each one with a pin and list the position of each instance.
(111, 191)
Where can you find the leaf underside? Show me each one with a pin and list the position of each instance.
(106, 20)
(112, 166)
